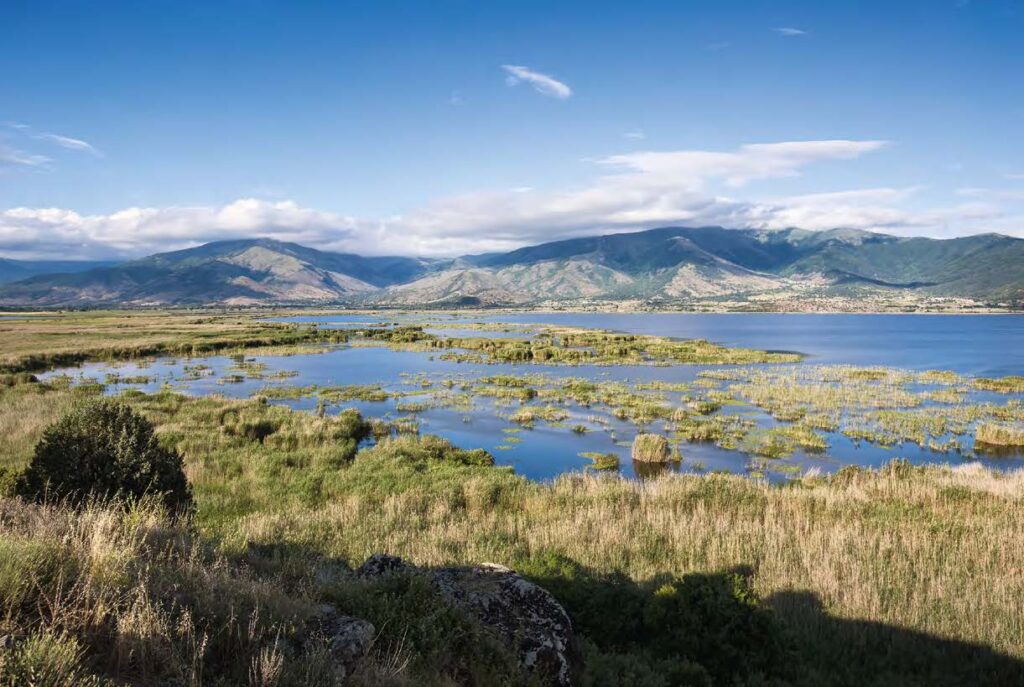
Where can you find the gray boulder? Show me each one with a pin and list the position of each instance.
(522, 615)
(348, 639)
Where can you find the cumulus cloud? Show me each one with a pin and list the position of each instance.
(131, 232)
(629, 192)
(542, 83)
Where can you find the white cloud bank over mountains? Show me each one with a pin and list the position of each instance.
(633, 191)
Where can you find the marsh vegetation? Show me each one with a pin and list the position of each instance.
(904, 574)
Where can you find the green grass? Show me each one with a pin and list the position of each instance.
(923, 553)
(905, 575)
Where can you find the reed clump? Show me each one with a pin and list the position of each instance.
(994, 434)
(650, 448)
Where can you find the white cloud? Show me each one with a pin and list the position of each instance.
(54, 232)
(631, 191)
(10, 155)
(789, 31)
(68, 142)
(15, 155)
(542, 83)
(636, 135)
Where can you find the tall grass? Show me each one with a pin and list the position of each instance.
(930, 553)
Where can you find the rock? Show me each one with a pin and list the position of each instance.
(348, 639)
(520, 614)
(380, 563)
(523, 615)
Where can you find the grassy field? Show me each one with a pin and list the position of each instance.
(903, 576)
(900, 576)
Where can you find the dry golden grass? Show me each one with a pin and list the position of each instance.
(939, 551)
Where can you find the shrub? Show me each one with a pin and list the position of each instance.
(101, 449)
(651, 448)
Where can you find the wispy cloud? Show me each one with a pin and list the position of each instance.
(789, 31)
(17, 140)
(636, 135)
(10, 155)
(68, 142)
(542, 83)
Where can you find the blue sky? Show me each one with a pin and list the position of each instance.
(455, 126)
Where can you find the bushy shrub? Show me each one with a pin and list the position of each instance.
(101, 449)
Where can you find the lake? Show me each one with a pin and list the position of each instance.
(976, 345)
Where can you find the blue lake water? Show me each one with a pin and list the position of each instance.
(971, 345)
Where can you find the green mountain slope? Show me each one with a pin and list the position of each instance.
(16, 270)
(665, 265)
(226, 272)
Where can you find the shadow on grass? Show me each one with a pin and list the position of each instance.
(861, 652)
(698, 630)
(715, 624)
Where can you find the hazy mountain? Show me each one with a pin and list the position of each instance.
(226, 272)
(16, 270)
(664, 265)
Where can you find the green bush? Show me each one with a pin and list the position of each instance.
(101, 449)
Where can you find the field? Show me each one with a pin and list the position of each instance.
(901, 576)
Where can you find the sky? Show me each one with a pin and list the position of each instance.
(459, 126)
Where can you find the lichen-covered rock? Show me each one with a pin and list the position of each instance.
(348, 639)
(380, 563)
(522, 614)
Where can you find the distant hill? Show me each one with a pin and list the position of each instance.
(16, 270)
(243, 272)
(666, 265)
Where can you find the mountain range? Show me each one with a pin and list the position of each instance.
(16, 270)
(672, 265)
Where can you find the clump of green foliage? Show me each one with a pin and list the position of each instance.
(101, 449)
(601, 461)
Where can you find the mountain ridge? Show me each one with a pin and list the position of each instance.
(661, 265)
